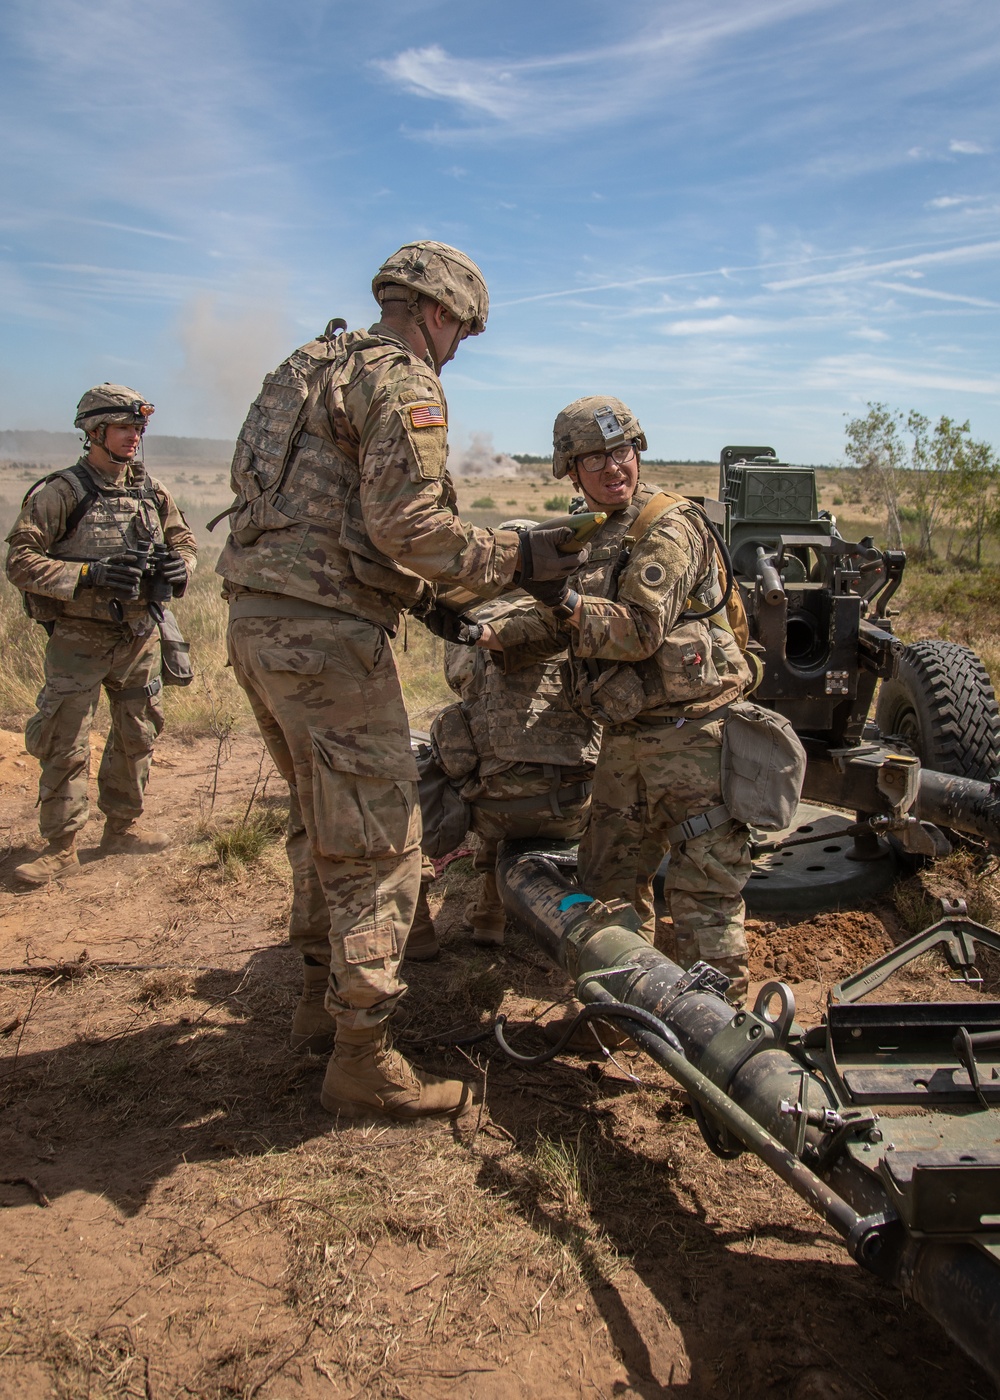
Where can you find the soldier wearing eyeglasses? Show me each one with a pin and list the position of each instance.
(653, 661)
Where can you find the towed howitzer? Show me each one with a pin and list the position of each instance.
(885, 1119)
(820, 625)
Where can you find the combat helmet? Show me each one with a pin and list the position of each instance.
(111, 403)
(444, 274)
(594, 424)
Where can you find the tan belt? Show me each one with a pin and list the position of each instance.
(263, 605)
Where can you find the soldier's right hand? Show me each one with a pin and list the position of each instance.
(544, 556)
(121, 572)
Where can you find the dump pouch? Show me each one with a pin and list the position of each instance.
(175, 652)
(763, 766)
(446, 815)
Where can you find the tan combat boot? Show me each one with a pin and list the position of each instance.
(488, 919)
(129, 838)
(58, 859)
(422, 943)
(739, 976)
(366, 1077)
(313, 1027)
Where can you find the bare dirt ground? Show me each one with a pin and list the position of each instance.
(180, 1218)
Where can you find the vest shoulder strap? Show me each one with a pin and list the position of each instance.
(656, 507)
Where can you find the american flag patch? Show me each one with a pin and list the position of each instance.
(427, 415)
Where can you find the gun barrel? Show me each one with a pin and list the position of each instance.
(615, 966)
(963, 804)
(771, 583)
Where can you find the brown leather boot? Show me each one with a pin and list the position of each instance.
(422, 943)
(313, 1027)
(129, 838)
(487, 918)
(366, 1077)
(738, 973)
(58, 860)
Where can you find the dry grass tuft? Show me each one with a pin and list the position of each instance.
(98, 1367)
(162, 986)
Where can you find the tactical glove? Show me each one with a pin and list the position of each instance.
(120, 572)
(544, 557)
(172, 569)
(555, 594)
(453, 627)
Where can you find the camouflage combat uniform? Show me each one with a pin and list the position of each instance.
(316, 580)
(535, 754)
(88, 646)
(660, 687)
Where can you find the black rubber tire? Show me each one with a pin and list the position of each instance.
(942, 704)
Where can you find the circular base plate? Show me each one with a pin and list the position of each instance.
(808, 879)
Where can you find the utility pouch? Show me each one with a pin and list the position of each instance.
(763, 766)
(614, 697)
(175, 652)
(686, 664)
(453, 744)
(446, 815)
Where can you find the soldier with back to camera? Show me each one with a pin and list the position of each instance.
(344, 510)
(654, 660)
(91, 548)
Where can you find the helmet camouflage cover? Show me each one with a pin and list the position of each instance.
(444, 274)
(594, 424)
(111, 403)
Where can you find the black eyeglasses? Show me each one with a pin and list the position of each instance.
(597, 461)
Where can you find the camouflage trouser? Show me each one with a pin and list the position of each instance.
(80, 657)
(523, 784)
(317, 687)
(647, 781)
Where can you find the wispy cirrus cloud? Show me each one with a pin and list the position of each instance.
(966, 148)
(860, 272)
(578, 88)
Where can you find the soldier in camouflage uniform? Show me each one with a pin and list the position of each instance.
(660, 678)
(344, 510)
(80, 552)
(532, 755)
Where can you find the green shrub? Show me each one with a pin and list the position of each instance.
(558, 503)
(484, 503)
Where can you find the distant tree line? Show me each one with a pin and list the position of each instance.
(939, 478)
(527, 460)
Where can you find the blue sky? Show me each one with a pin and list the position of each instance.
(746, 219)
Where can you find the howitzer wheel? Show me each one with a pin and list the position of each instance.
(942, 705)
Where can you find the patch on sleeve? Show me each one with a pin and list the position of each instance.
(652, 574)
(426, 415)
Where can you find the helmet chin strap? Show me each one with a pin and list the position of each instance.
(101, 441)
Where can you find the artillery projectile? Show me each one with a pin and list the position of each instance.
(808, 1101)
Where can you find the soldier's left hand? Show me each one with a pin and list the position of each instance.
(452, 627)
(173, 569)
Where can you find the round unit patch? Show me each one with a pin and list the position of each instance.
(652, 575)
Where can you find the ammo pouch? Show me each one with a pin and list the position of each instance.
(175, 652)
(453, 744)
(614, 696)
(446, 815)
(763, 766)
